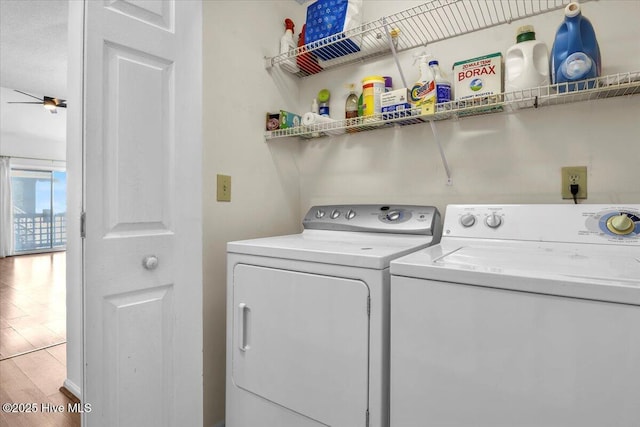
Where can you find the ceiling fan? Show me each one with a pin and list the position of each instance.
(51, 104)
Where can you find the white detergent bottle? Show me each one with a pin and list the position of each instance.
(286, 46)
(526, 62)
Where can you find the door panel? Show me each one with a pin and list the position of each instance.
(138, 373)
(142, 251)
(138, 126)
(302, 341)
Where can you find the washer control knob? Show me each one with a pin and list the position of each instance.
(467, 220)
(335, 214)
(350, 214)
(493, 220)
(620, 224)
(320, 213)
(393, 215)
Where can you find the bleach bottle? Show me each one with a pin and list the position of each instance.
(443, 85)
(575, 54)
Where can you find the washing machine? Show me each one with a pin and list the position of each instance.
(308, 317)
(523, 315)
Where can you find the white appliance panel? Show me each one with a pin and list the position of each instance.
(361, 249)
(601, 272)
(302, 341)
(475, 356)
(583, 223)
(523, 315)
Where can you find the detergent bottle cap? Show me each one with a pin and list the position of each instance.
(525, 33)
(323, 95)
(351, 87)
(572, 10)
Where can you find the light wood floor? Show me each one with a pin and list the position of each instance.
(32, 302)
(32, 340)
(36, 378)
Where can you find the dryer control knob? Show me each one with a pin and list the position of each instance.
(350, 214)
(335, 214)
(320, 213)
(393, 215)
(493, 220)
(620, 224)
(467, 220)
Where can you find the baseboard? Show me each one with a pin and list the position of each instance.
(71, 390)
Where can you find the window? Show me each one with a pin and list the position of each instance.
(39, 207)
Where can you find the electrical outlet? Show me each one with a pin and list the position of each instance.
(574, 175)
(224, 188)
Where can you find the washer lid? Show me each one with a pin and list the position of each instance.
(597, 272)
(366, 250)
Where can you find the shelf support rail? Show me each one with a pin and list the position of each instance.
(442, 155)
(389, 32)
(434, 130)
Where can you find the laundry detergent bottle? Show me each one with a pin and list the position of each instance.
(526, 62)
(575, 54)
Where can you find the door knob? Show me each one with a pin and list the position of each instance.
(150, 262)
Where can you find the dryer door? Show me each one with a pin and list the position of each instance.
(302, 341)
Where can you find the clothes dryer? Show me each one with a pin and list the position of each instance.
(308, 317)
(523, 315)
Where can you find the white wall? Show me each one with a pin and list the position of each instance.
(499, 158)
(238, 92)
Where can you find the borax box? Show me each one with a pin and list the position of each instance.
(478, 77)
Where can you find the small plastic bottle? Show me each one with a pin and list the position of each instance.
(423, 92)
(323, 102)
(443, 85)
(314, 109)
(351, 105)
(287, 45)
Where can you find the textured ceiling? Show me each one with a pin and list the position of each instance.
(33, 46)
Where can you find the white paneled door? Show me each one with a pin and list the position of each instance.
(142, 197)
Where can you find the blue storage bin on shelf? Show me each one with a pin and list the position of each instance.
(327, 18)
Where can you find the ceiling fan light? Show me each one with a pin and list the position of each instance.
(49, 104)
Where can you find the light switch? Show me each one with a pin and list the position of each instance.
(224, 188)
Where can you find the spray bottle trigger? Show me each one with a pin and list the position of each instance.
(419, 56)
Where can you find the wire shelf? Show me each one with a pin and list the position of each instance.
(433, 21)
(615, 85)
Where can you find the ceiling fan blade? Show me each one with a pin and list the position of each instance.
(20, 102)
(62, 105)
(28, 94)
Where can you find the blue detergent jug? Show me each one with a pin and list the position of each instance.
(575, 54)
